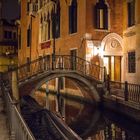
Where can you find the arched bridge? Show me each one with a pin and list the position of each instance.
(86, 74)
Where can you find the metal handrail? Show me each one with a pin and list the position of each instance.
(18, 128)
(126, 90)
(43, 64)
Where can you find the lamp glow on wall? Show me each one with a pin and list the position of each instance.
(98, 51)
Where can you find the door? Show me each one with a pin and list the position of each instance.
(117, 70)
(73, 54)
(113, 67)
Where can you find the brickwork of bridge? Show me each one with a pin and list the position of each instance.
(29, 86)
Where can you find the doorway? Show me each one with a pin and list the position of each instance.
(113, 67)
(73, 54)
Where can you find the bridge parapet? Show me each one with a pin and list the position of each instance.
(60, 62)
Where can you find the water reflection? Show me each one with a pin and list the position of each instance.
(93, 124)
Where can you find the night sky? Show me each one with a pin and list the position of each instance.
(11, 9)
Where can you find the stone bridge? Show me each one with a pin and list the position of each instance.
(31, 76)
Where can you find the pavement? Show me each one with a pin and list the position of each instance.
(4, 131)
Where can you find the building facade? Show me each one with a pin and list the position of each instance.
(90, 29)
(131, 40)
(105, 32)
(8, 45)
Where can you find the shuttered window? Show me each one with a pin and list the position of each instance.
(131, 62)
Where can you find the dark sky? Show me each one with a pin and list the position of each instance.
(10, 9)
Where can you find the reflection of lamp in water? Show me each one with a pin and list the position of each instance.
(7, 53)
(12, 62)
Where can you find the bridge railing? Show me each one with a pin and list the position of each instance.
(18, 128)
(128, 91)
(65, 62)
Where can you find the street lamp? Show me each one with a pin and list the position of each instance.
(32, 16)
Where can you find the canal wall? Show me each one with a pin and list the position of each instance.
(129, 109)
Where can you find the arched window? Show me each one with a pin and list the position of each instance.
(101, 15)
(57, 25)
(73, 17)
(48, 22)
(55, 17)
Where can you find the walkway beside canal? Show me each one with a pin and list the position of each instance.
(4, 131)
(118, 104)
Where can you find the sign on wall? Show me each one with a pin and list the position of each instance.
(46, 45)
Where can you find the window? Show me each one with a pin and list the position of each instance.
(14, 35)
(131, 13)
(101, 15)
(9, 35)
(19, 40)
(41, 4)
(48, 22)
(28, 37)
(73, 17)
(28, 6)
(5, 34)
(131, 62)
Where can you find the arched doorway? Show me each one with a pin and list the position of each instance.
(112, 56)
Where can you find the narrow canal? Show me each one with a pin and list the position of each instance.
(92, 123)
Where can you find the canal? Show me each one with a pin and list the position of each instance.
(89, 122)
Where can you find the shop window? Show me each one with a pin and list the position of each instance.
(101, 15)
(73, 17)
(131, 62)
(131, 13)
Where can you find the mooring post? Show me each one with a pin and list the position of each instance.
(108, 83)
(126, 91)
(15, 91)
(47, 96)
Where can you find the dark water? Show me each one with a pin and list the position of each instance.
(96, 124)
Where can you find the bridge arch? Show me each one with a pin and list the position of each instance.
(34, 83)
